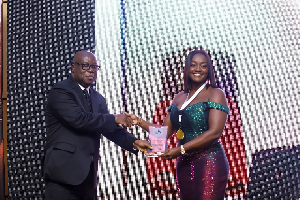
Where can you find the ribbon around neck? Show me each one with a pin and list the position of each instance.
(192, 97)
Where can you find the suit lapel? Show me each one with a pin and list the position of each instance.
(79, 94)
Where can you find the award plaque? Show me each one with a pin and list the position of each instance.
(158, 136)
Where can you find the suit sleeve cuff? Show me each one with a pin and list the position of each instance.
(134, 149)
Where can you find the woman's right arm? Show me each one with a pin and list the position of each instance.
(167, 122)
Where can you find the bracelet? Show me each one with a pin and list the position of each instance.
(182, 151)
(139, 121)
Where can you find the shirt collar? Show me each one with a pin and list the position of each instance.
(82, 88)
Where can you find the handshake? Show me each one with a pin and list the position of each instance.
(126, 120)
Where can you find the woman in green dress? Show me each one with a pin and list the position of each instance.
(198, 116)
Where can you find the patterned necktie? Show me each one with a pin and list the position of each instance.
(88, 98)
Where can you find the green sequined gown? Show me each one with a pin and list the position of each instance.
(201, 174)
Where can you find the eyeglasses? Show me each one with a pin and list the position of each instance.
(87, 66)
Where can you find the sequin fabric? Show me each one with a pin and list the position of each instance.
(201, 174)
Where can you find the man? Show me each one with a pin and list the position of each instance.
(76, 116)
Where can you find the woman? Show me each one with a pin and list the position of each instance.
(198, 114)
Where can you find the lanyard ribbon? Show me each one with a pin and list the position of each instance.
(190, 100)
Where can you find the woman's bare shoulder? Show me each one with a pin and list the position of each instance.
(218, 96)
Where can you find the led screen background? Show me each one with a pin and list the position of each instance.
(135, 38)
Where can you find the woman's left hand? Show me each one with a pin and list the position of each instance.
(171, 153)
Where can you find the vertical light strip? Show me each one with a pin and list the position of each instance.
(125, 171)
(4, 92)
(123, 52)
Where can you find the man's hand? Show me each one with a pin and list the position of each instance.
(123, 120)
(142, 145)
(133, 117)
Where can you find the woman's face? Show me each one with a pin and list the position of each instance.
(199, 69)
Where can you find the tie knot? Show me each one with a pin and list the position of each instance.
(85, 92)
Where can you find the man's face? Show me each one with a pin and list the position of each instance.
(84, 77)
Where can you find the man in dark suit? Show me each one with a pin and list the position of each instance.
(76, 116)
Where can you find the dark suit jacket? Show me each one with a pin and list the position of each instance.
(73, 133)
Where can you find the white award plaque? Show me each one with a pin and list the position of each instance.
(158, 136)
